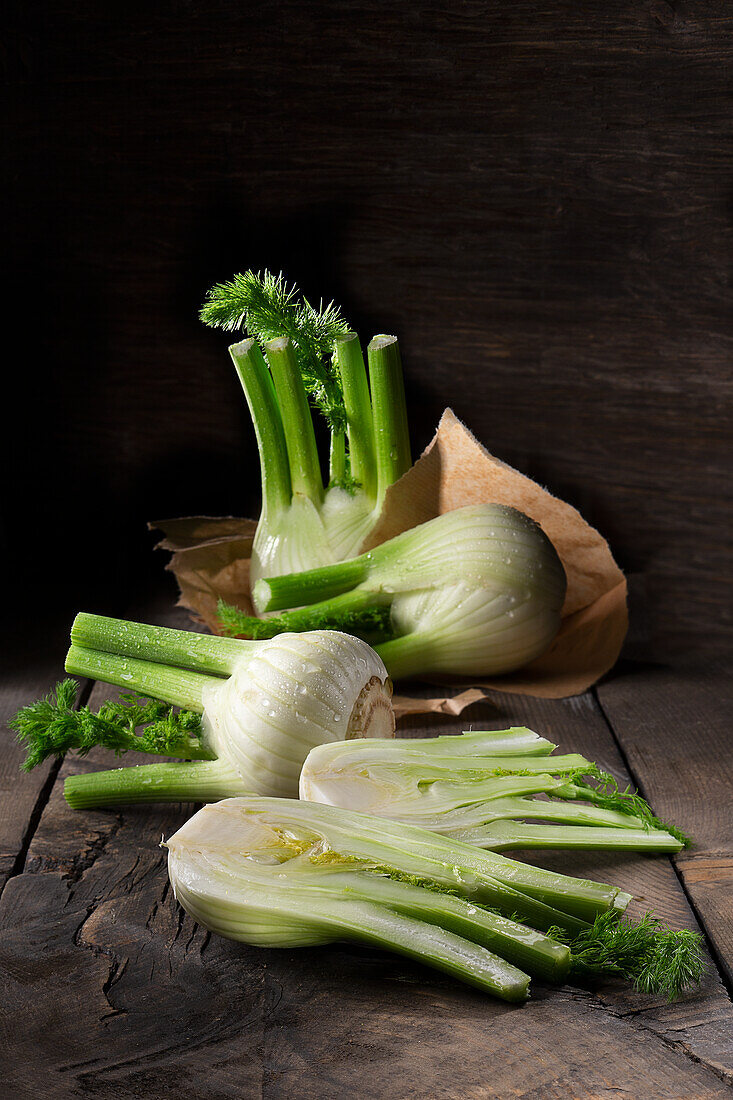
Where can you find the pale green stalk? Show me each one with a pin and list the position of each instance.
(260, 394)
(358, 407)
(305, 471)
(173, 685)
(391, 433)
(161, 644)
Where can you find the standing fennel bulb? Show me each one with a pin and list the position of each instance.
(475, 591)
(264, 706)
(312, 353)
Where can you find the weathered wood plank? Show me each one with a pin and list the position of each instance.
(26, 676)
(674, 728)
(115, 991)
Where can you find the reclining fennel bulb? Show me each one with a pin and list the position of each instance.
(253, 710)
(475, 591)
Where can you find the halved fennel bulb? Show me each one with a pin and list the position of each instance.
(280, 873)
(481, 787)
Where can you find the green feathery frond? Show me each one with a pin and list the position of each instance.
(605, 793)
(52, 727)
(264, 305)
(652, 956)
(372, 624)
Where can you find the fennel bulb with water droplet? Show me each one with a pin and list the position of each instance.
(264, 705)
(475, 591)
(296, 691)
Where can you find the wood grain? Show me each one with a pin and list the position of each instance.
(674, 729)
(29, 672)
(535, 197)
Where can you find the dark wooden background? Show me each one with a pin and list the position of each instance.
(535, 197)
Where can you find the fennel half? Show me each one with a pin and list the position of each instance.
(481, 788)
(278, 873)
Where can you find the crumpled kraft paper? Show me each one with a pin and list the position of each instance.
(211, 560)
(454, 705)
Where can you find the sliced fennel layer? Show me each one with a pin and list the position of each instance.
(486, 800)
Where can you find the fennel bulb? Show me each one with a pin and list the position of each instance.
(303, 524)
(312, 353)
(263, 706)
(279, 873)
(476, 591)
(480, 788)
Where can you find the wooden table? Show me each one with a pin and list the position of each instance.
(109, 990)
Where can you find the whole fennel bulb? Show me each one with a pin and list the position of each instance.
(262, 706)
(475, 591)
(311, 354)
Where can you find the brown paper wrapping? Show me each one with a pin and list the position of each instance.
(211, 560)
(454, 705)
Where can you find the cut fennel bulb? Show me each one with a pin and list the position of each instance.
(264, 706)
(303, 524)
(480, 788)
(278, 873)
(476, 591)
(273, 872)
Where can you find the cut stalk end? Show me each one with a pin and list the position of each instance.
(372, 715)
(391, 432)
(310, 586)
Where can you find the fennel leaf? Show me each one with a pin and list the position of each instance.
(52, 727)
(264, 305)
(606, 794)
(655, 958)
